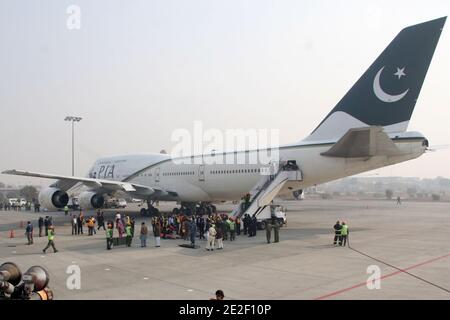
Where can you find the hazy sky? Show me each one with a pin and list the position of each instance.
(137, 70)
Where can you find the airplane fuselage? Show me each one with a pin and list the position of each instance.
(209, 177)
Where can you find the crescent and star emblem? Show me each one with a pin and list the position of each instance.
(381, 94)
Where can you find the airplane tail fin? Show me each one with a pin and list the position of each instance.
(387, 92)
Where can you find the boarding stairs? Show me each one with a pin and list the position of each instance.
(267, 188)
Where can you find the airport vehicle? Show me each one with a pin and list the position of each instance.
(115, 203)
(366, 130)
(271, 211)
(18, 202)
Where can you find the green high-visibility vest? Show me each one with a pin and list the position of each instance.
(66, 208)
(128, 230)
(109, 233)
(232, 225)
(51, 235)
(344, 230)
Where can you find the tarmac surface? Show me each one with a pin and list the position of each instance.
(410, 242)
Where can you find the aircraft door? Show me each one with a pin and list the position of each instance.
(157, 172)
(201, 172)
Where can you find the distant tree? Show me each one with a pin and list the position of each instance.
(2, 185)
(436, 197)
(29, 193)
(389, 194)
(2, 197)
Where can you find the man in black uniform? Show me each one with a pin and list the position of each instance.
(41, 225)
(337, 233)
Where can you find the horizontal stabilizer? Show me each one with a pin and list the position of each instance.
(362, 143)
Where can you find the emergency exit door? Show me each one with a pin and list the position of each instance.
(201, 172)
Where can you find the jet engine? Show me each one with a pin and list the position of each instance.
(88, 200)
(53, 198)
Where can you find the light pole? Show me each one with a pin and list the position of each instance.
(73, 119)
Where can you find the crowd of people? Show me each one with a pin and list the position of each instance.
(15, 206)
(212, 227)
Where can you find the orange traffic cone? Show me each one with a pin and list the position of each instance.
(11, 233)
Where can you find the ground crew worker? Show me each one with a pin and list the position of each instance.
(109, 236)
(90, 224)
(268, 230)
(232, 226)
(29, 232)
(66, 210)
(337, 233)
(344, 234)
(211, 237)
(51, 237)
(129, 236)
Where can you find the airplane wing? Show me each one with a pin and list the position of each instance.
(67, 182)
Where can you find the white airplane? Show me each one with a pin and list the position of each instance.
(366, 130)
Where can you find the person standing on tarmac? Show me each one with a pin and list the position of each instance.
(144, 235)
(129, 236)
(268, 230)
(211, 238)
(100, 221)
(109, 236)
(41, 225)
(192, 231)
(276, 229)
(66, 210)
(51, 237)
(232, 226)
(344, 234)
(46, 224)
(219, 239)
(337, 233)
(157, 234)
(29, 232)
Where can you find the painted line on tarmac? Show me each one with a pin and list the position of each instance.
(335, 293)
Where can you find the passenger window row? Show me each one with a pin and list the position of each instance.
(186, 173)
(235, 171)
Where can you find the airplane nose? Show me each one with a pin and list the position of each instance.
(425, 143)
